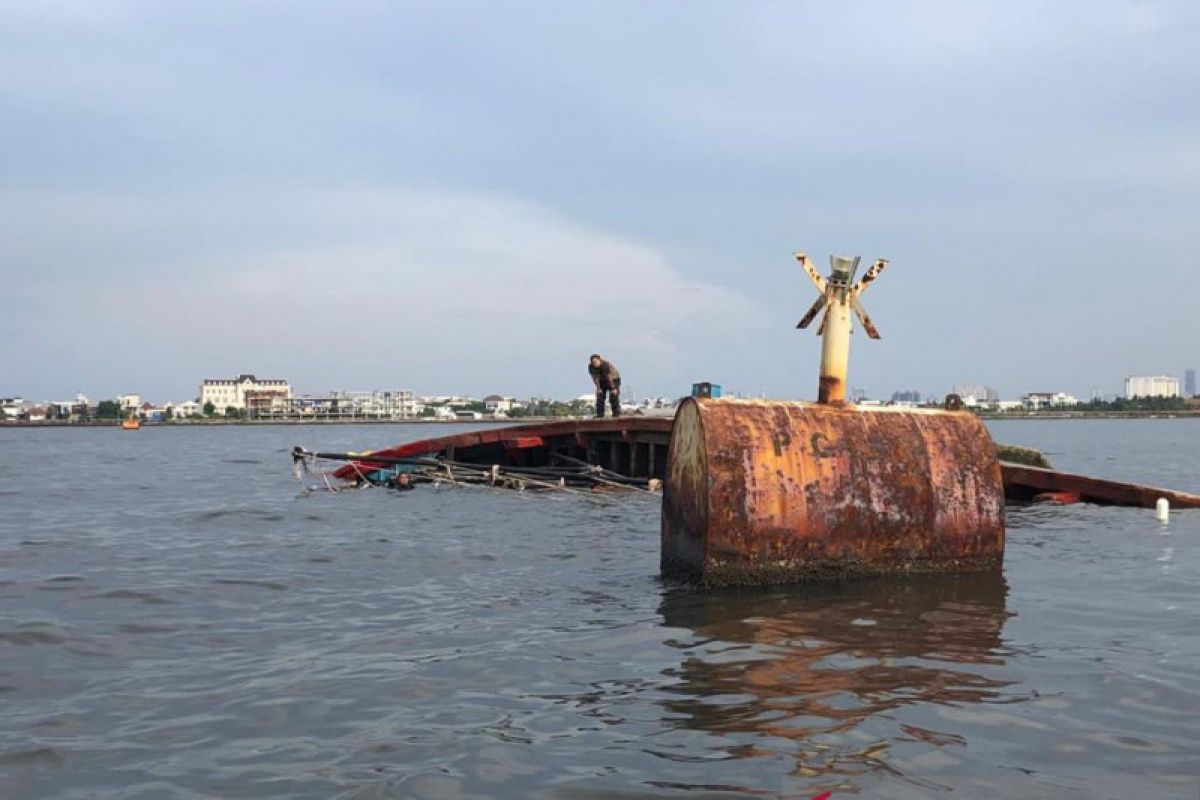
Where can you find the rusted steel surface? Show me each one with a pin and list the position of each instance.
(830, 390)
(516, 437)
(763, 492)
(1024, 484)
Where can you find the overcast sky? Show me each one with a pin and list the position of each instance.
(473, 197)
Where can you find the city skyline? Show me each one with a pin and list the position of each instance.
(400, 197)
(986, 392)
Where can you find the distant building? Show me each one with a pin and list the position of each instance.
(445, 400)
(226, 392)
(129, 403)
(1189, 383)
(1039, 400)
(911, 396)
(496, 405)
(981, 393)
(11, 407)
(338, 404)
(1151, 386)
(390, 404)
(188, 409)
(151, 412)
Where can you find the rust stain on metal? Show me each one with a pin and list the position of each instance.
(763, 492)
(812, 312)
(864, 318)
(869, 276)
(831, 389)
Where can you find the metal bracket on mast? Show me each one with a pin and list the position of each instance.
(838, 296)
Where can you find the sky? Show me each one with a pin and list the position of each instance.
(472, 197)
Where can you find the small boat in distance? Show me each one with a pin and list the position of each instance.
(130, 423)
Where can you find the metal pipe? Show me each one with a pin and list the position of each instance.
(835, 349)
(838, 297)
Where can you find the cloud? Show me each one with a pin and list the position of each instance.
(382, 288)
(630, 176)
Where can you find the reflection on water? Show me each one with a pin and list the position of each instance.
(794, 664)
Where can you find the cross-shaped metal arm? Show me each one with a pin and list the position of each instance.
(838, 295)
(831, 291)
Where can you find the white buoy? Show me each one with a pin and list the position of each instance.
(1162, 509)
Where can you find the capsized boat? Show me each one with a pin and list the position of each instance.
(636, 448)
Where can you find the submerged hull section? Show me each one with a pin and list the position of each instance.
(633, 446)
(638, 447)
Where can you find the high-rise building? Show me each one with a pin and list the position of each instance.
(1151, 386)
(1189, 383)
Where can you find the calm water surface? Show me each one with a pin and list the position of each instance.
(175, 622)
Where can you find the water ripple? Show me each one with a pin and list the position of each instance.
(217, 636)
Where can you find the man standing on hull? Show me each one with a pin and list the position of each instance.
(608, 381)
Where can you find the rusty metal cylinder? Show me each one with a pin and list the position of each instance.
(774, 492)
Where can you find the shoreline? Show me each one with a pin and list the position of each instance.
(1096, 415)
(215, 423)
(203, 423)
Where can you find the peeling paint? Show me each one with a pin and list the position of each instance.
(765, 492)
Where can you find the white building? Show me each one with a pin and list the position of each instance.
(226, 392)
(189, 408)
(496, 405)
(1151, 386)
(1038, 400)
(385, 405)
(394, 404)
(129, 402)
(446, 400)
(11, 407)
